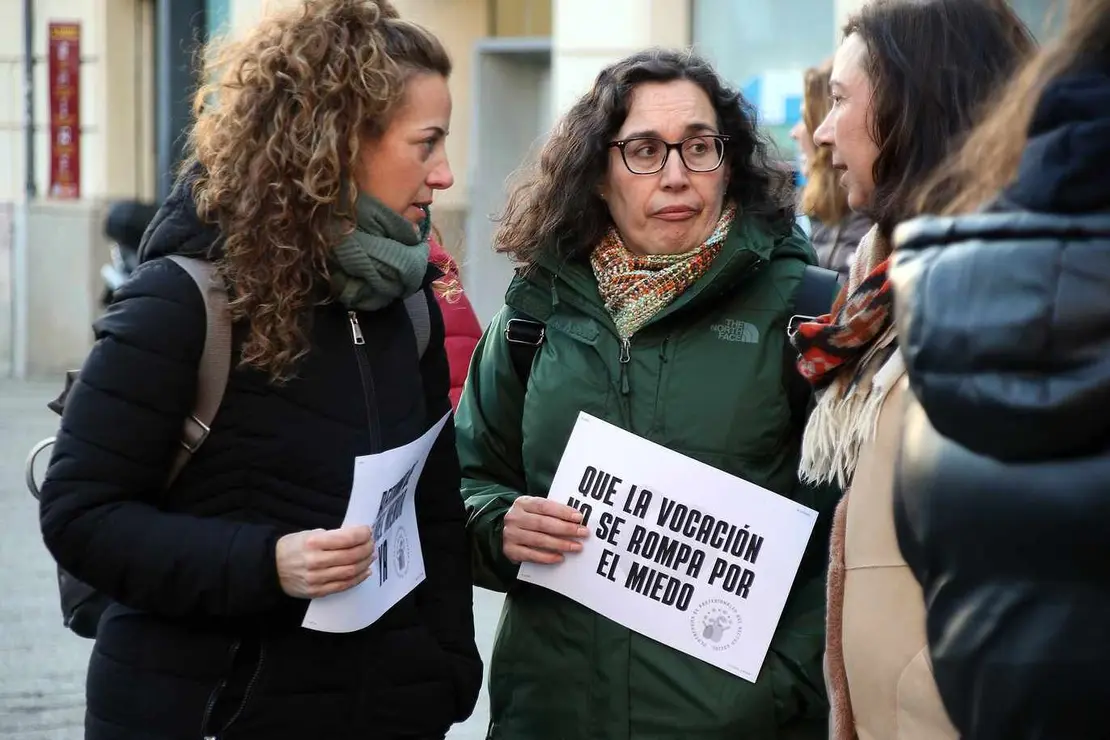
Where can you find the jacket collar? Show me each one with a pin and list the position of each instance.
(538, 291)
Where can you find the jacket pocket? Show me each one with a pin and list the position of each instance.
(231, 696)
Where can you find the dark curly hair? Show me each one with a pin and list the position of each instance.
(557, 206)
(275, 147)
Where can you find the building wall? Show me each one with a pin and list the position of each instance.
(117, 142)
(49, 280)
(582, 46)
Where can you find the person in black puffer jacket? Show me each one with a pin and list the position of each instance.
(1001, 502)
(315, 238)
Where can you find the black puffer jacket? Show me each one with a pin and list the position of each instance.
(203, 633)
(1002, 503)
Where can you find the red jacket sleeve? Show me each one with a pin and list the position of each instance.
(461, 326)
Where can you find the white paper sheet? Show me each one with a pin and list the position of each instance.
(678, 551)
(382, 496)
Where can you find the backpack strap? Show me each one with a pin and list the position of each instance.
(525, 336)
(212, 374)
(417, 306)
(215, 361)
(813, 297)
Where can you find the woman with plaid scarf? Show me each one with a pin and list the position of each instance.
(897, 103)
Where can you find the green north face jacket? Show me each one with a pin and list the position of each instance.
(706, 378)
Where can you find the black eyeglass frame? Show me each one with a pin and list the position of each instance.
(667, 147)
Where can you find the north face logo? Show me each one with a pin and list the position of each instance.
(734, 330)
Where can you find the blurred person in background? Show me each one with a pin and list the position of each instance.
(907, 84)
(836, 230)
(1004, 308)
(461, 327)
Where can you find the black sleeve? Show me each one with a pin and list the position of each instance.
(446, 598)
(120, 428)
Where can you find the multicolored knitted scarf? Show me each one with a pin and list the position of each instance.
(636, 287)
(840, 354)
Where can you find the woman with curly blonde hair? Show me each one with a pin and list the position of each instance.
(315, 155)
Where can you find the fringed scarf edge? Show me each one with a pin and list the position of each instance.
(843, 421)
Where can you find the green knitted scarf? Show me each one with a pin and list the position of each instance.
(384, 259)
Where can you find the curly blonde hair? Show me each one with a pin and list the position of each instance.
(275, 147)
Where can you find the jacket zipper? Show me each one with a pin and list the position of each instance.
(367, 378)
(660, 379)
(626, 387)
(626, 350)
(625, 356)
(250, 689)
(215, 696)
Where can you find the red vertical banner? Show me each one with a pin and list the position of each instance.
(64, 84)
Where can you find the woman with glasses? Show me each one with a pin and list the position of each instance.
(659, 261)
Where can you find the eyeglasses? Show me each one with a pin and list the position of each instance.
(645, 155)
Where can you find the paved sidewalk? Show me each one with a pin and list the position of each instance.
(42, 665)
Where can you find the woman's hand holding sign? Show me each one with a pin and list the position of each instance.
(538, 530)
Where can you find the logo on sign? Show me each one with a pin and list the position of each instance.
(403, 556)
(715, 624)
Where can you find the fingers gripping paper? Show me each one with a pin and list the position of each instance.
(678, 551)
(382, 496)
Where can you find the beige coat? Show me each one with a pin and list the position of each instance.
(881, 684)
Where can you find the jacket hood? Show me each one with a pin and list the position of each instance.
(177, 229)
(1064, 166)
(1004, 323)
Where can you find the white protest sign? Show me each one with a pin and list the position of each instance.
(678, 551)
(382, 496)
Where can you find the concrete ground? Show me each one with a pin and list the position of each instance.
(42, 665)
